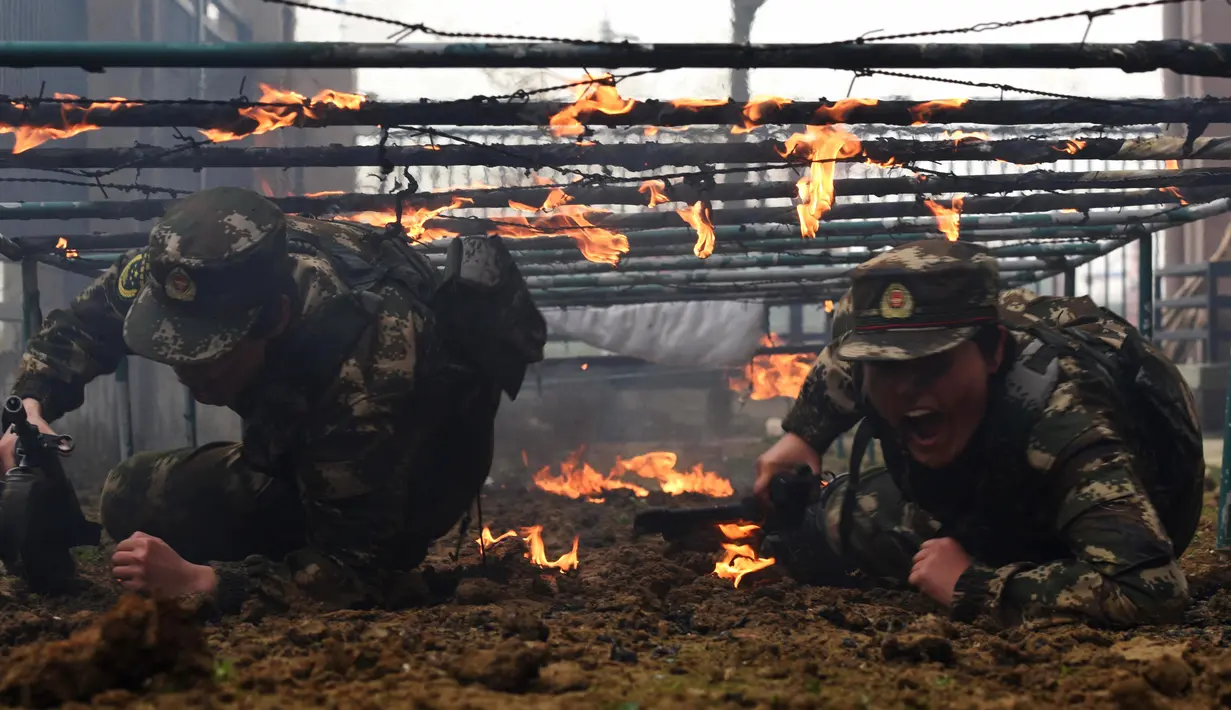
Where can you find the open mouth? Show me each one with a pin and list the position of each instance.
(922, 426)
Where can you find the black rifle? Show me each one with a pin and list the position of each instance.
(40, 516)
(789, 495)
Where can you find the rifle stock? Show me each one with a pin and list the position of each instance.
(40, 516)
(789, 495)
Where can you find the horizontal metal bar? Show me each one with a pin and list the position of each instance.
(1184, 57)
(341, 203)
(1181, 335)
(1198, 269)
(1193, 302)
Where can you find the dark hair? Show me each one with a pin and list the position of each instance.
(988, 337)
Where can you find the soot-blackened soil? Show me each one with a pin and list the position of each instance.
(638, 625)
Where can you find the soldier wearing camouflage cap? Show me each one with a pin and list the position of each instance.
(1027, 473)
(323, 336)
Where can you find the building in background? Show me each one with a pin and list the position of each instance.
(157, 398)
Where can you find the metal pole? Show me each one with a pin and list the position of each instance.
(124, 412)
(190, 403)
(31, 312)
(1180, 56)
(1070, 283)
(1145, 284)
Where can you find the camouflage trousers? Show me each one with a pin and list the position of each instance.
(204, 503)
(885, 533)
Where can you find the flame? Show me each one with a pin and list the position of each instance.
(324, 193)
(737, 532)
(412, 221)
(598, 95)
(660, 465)
(694, 104)
(487, 542)
(525, 459)
(578, 480)
(585, 366)
(1175, 191)
(265, 188)
(948, 220)
(959, 135)
(739, 560)
(62, 244)
(698, 217)
(1071, 209)
(1071, 147)
(923, 112)
(430, 147)
(270, 118)
(778, 375)
(889, 163)
(755, 109)
(31, 136)
(823, 144)
(1173, 164)
(837, 113)
(828, 306)
(655, 188)
(555, 218)
(538, 554)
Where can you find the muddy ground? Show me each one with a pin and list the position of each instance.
(638, 625)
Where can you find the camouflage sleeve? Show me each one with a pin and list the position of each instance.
(81, 342)
(827, 404)
(352, 480)
(1122, 570)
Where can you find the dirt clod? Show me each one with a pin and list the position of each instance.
(1133, 694)
(917, 648)
(563, 677)
(510, 667)
(1169, 675)
(479, 591)
(126, 648)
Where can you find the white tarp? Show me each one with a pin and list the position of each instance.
(694, 333)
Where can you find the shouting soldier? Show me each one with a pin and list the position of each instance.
(367, 415)
(1042, 460)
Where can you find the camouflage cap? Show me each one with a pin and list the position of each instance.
(920, 299)
(211, 265)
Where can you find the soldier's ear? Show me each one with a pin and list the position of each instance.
(998, 354)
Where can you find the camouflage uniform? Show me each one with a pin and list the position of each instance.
(347, 469)
(1064, 515)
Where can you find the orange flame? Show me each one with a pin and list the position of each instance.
(959, 135)
(698, 217)
(265, 188)
(737, 532)
(778, 375)
(655, 188)
(922, 113)
(695, 104)
(1173, 164)
(1175, 191)
(948, 220)
(597, 244)
(823, 145)
(578, 480)
(828, 306)
(487, 542)
(31, 136)
(413, 220)
(598, 95)
(62, 244)
(1071, 147)
(525, 459)
(755, 110)
(660, 466)
(839, 110)
(739, 560)
(270, 118)
(538, 553)
(323, 193)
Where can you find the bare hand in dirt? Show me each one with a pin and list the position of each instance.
(938, 565)
(788, 454)
(8, 442)
(146, 563)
